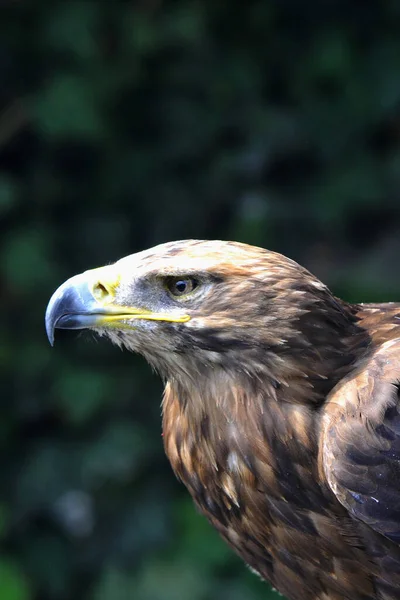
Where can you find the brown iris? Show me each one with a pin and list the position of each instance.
(181, 286)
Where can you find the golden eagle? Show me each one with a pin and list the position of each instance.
(281, 411)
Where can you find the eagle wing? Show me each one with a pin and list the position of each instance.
(360, 441)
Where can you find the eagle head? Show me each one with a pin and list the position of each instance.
(196, 306)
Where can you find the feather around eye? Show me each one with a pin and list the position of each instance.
(181, 286)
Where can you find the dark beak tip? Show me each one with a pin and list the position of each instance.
(50, 326)
(72, 306)
(50, 337)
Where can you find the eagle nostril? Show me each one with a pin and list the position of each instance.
(101, 292)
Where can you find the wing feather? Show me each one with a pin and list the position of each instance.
(360, 441)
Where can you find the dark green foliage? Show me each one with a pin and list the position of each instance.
(125, 124)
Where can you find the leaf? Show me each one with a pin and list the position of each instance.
(71, 27)
(27, 259)
(8, 193)
(117, 453)
(167, 580)
(13, 583)
(4, 519)
(115, 585)
(82, 392)
(68, 106)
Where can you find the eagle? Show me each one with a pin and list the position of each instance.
(281, 411)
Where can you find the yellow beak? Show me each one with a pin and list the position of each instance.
(87, 301)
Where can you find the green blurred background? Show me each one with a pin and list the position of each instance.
(126, 124)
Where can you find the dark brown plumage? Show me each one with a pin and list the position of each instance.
(281, 407)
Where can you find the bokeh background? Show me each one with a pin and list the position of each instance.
(126, 124)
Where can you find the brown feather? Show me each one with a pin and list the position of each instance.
(281, 413)
(255, 475)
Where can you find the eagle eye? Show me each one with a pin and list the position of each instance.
(181, 286)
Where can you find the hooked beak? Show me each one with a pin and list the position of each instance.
(87, 301)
